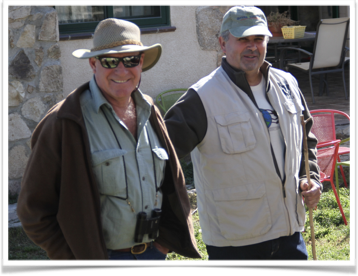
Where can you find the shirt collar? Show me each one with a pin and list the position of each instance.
(98, 99)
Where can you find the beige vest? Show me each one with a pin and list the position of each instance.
(241, 198)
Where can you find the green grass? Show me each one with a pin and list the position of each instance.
(331, 234)
(22, 248)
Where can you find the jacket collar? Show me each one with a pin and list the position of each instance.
(237, 76)
(70, 108)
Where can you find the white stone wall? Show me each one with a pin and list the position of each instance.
(35, 79)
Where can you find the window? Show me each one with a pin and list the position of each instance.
(84, 19)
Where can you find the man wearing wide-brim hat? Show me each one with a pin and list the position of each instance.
(103, 180)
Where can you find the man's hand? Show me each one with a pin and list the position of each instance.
(312, 195)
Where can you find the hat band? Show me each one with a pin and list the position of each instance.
(117, 43)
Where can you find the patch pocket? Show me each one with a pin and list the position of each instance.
(243, 212)
(235, 132)
(160, 161)
(109, 170)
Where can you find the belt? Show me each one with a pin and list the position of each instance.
(137, 249)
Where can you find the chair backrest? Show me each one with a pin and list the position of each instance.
(168, 98)
(326, 159)
(329, 47)
(324, 126)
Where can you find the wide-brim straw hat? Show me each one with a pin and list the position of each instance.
(114, 36)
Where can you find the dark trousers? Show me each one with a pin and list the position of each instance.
(284, 248)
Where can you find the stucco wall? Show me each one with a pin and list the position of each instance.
(182, 63)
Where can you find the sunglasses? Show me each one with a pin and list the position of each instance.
(113, 62)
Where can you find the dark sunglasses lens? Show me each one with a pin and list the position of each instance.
(131, 61)
(109, 62)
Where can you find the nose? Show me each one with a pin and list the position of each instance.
(120, 68)
(251, 45)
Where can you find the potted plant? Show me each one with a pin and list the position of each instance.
(277, 20)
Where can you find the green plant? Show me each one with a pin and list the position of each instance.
(276, 19)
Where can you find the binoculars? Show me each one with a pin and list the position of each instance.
(147, 226)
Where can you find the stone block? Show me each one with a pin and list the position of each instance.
(51, 79)
(19, 12)
(21, 68)
(39, 55)
(27, 38)
(33, 109)
(11, 39)
(49, 30)
(14, 187)
(16, 93)
(17, 161)
(54, 52)
(17, 128)
(208, 23)
(13, 218)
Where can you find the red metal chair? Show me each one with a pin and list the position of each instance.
(324, 129)
(327, 157)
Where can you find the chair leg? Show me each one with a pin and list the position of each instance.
(326, 84)
(342, 172)
(339, 202)
(344, 83)
(310, 76)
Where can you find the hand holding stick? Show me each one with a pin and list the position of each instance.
(305, 148)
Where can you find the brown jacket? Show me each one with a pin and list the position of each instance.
(59, 205)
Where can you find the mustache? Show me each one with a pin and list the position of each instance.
(250, 52)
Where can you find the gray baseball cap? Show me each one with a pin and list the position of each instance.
(244, 21)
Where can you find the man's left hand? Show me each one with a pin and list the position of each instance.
(312, 195)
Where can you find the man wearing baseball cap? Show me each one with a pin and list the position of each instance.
(103, 180)
(241, 125)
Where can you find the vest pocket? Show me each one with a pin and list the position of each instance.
(235, 132)
(242, 212)
(109, 170)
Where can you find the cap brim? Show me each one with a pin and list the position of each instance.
(254, 30)
(152, 53)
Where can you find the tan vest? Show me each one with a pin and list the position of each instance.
(241, 198)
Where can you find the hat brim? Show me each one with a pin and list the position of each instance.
(254, 30)
(152, 53)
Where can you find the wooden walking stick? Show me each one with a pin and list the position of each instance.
(305, 149)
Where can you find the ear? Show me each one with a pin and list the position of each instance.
(92, 63)
(141, 61)
(222, 43)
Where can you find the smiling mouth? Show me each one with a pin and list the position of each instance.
(250, 56)
(118, 81)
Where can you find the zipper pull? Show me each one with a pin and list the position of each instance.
(284, 191)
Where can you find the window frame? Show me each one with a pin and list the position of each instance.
(89, 27)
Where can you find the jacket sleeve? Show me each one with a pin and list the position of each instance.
(312, 149)
(186, 122)
(38, 200)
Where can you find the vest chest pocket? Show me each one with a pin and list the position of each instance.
(109, 170)
(235, 132)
